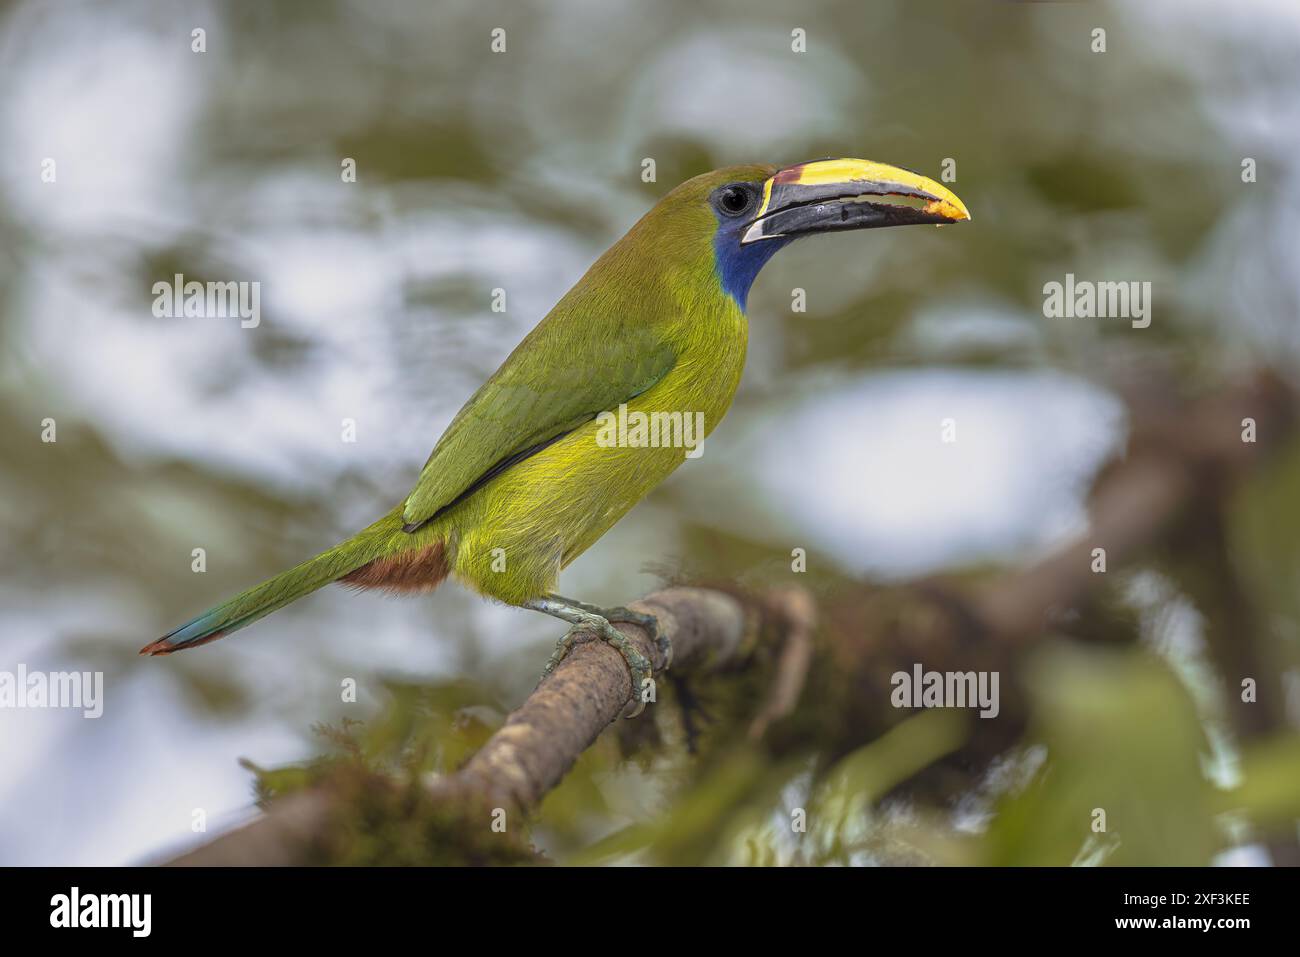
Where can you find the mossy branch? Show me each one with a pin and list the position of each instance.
(538, 743)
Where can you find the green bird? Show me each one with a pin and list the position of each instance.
(533, 470)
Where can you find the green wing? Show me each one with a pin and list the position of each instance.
(550, 384)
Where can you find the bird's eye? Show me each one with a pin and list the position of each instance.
(735, 199)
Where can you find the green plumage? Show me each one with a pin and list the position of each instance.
(648, 325)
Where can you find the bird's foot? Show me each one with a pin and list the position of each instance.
(585, 617)
(649, 622)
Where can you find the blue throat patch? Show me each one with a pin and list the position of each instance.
(738, 265)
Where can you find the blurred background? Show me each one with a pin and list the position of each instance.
(477, 171)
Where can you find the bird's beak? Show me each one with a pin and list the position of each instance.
(835, 194)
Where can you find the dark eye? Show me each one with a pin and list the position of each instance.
(734, 199)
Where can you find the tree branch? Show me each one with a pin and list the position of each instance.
(538, 743)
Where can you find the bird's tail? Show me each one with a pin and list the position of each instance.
(380, 556)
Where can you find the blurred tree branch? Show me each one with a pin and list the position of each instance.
(1181, 465)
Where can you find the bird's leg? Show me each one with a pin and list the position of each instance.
(649, 622)
(582, 617)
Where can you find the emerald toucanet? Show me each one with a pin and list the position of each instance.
(526, 478)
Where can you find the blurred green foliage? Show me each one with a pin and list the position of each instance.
(1119, 164)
